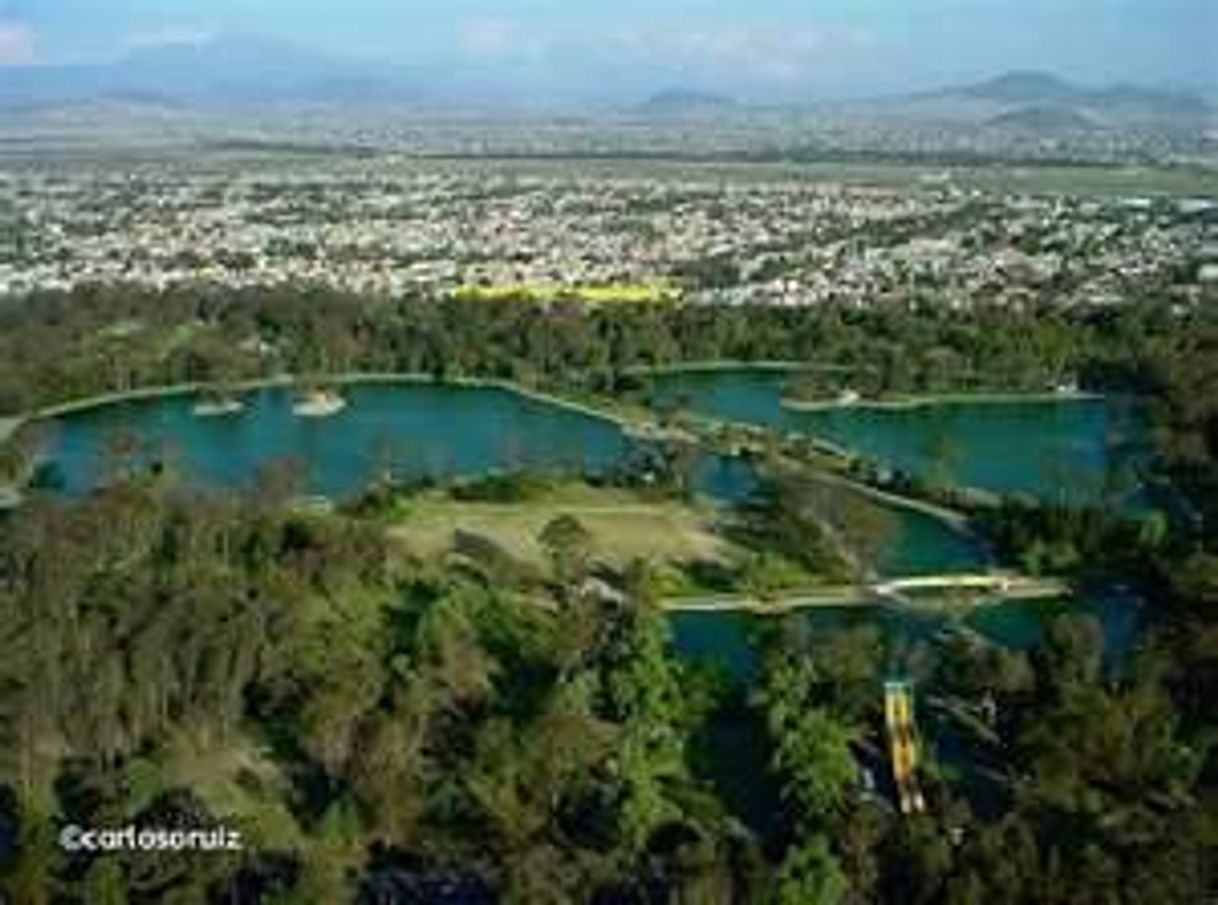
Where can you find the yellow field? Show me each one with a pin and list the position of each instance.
(628, 293)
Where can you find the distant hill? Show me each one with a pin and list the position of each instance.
(680, 102)
(1052, 99)
(1134, 96)
(1041, 102)
(251, 77)
(1021, 88)
(1042, 119)
(227, 70)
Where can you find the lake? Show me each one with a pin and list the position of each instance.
(413, 430)
(426, 429)
(1066, 450)
(1071, 449)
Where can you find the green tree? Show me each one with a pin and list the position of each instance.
(811, 749)
(645, 699)
(811, 875)
(105, 883)
(568, 544)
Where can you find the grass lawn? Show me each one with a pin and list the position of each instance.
(623, 525)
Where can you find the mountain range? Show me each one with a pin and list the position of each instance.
(684, 102)
(224, 71)
(1046, 89)
(233, 72)
(1041, 101)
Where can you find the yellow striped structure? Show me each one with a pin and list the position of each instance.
(898, 715)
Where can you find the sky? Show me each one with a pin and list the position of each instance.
(755, 48)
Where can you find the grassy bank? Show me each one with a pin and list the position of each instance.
(934, 399)
(625, 416)
(792, 601)
(715, 365)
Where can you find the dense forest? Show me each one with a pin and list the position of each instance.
(59, 346)
(382, 727)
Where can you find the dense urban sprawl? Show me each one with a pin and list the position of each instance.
(394, 229)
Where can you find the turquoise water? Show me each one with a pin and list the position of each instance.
(1068, 449)
(921, 545)
(435, 430)
(729, 639)
(411, 430)
(1065, 450)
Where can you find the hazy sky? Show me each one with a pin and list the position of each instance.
(757, 47)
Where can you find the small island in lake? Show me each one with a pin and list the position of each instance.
(318, 402)
(217, 403)
(808, 393)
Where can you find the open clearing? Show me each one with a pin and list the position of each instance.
(622, 525)
(1083, 180)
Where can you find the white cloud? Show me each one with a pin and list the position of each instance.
(16, 44)
(159, 37)
(493, 38)
(760, 51)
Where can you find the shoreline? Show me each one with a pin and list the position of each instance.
(930, 401)
(11, 424)
(720, 364)
(632, 425)
(733, 364)
(854, 597)
(952, 518)
(636, 426)
(11, 495)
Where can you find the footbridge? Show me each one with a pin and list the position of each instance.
(995, 585)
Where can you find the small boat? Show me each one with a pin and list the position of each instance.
(318, 403)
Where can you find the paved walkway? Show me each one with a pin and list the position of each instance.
(842, 596)
(1008, 585)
